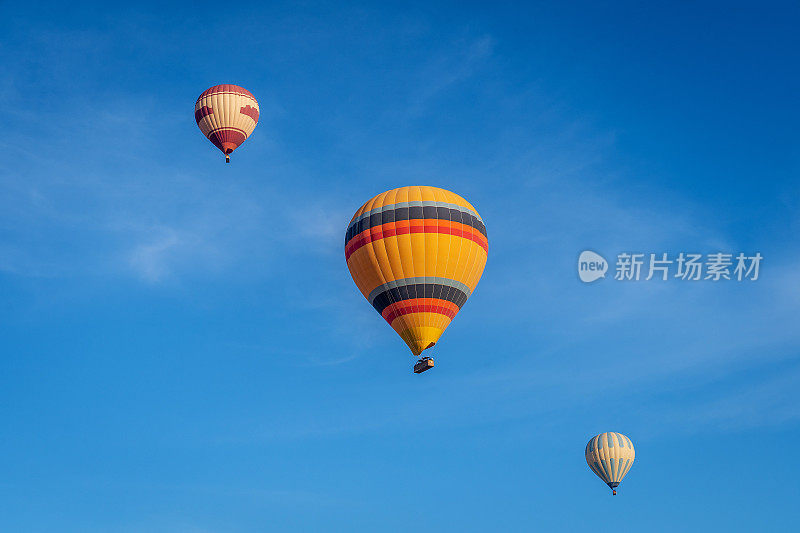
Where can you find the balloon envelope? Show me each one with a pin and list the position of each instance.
(227, 115)
(416, 254)
(610, 456)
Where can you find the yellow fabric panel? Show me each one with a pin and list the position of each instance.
(366, 278)
(413, 253)
(446, 256)
(354, 264)
(431, 255)
(393, 245)
(404, 242)
(389, 255)
(421, 337)
(423, 319)
(456, 199)
(370, 265)
(381, 251)
(478, 266)
(445, 244)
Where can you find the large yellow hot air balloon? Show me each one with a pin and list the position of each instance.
(227, 115)
(417, 253)
(610, 456)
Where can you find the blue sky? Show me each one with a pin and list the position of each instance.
(183, 348)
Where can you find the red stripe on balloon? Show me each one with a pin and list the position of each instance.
(419, 305)
(391, 229)
(227, 139)
(226, 88)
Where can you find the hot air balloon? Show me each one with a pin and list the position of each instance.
(227, 115)
(416, 254)
(610, 456)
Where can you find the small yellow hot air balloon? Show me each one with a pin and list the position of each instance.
(610, 456)
(416, 254)
(227, 115)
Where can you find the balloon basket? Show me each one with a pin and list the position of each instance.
(426, 363)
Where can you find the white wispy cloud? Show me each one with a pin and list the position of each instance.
(449, 66)
(151, 260)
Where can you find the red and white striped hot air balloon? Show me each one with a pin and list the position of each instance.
(227, 115)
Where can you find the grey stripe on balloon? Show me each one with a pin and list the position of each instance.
(431, 203)
(416, 281)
